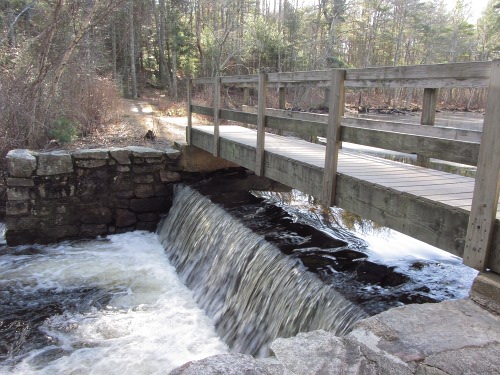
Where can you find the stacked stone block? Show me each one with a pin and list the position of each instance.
(58, 195)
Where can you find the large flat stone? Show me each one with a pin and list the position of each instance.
(231, 364)
(414, 332)
(322, 353)
(21, 163)
(96, 153)
(467, 361)
(145, 152)
(52, 163)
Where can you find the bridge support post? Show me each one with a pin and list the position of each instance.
(281, 102)
(482, 218)
(189, 111)
(261, 125)
(428, 118)
(217, 88)
(336, 108)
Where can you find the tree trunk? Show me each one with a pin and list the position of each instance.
(131, 36)
(12, 28)
(113, 47)
(198, 39)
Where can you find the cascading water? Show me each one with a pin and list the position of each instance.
(252, 291)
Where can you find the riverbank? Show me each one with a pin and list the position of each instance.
(448, 338)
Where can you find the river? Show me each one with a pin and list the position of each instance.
(145, 303)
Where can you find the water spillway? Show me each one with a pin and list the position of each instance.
(252, 291)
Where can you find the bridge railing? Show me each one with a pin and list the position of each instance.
(455, 145)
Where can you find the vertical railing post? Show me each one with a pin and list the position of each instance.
(217, 88)
(261, 125)
(189, 111)
(487, 186)
(281, 101)
(336, 105)
(246, 95)
(428, 117)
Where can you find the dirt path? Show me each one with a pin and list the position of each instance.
(136, 119)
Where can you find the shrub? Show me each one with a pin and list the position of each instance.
(63, 130)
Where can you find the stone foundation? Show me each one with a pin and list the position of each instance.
(60, 195)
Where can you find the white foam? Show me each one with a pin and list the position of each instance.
(151, 325)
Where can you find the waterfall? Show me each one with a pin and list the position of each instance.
(252, 291)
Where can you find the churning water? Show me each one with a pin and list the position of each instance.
(113, 306)
(118, 305)
(252, 291)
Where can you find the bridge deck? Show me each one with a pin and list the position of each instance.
(441, 187)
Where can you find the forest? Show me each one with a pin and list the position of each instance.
(65, 64)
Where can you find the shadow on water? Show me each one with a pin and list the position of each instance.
(346, 251)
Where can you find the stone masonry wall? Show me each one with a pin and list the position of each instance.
(59, 195)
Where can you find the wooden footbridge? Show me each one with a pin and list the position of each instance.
(455, 213)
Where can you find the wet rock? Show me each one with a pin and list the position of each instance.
(26, 182)
(150, 204)
(18, 193)
(17, 208)
(96, 215)
(21, 163)
(169, 176)
(92, 230)
(144, 190)
(144, 179)
(62, 231)
(125, 218)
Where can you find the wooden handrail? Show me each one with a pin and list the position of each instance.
(473, 74)
(430, 142)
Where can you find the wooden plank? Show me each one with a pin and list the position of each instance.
(427, 118)
(301, 127)
(201, 110)
(485, 201)
(474, 74)
(408, 128)
(239, 80)
(217, 88)
(299, 77)
(443, 149)
(203, 81)
(189, 111)
(246, 96)
(336, 107)
(398, 127)
(246, 118)
(261, 125)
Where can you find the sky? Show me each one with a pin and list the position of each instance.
(476, 6)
